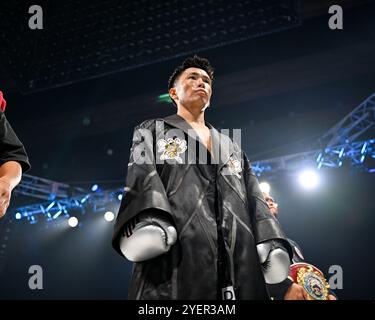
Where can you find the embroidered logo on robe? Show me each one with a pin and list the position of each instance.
(172, 148)
(234, 167)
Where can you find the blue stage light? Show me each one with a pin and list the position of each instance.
(50, 205)
(57, 214)
(32, 220)
(341, 152)
(94, 188)
(319, 157)
(18, 216)
(364, 148)
(83, 200)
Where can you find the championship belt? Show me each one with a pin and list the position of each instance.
(311, 279)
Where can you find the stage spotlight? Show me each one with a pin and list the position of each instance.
(264, 187)
(109, 216)
(309, 179)
(119, 197)
(18, 216)
(73, 222)
(94, 188)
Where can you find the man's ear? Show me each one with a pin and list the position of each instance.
(173, 94)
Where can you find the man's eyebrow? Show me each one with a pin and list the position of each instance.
(198, 74)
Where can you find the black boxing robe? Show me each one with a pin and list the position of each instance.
(185, 192)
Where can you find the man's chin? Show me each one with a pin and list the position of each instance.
(197, 105)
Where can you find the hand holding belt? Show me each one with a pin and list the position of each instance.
(311, 279)
(146, 236)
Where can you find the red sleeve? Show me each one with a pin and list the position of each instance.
(3, 103)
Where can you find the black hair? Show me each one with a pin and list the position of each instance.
(192, 62)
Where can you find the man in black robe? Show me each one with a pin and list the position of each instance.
(193, 219)
(13, 159)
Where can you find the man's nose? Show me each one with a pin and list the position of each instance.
(201, 83)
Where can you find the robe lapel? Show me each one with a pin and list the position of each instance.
(222, 146)
(230, 164)
(180, 123)
(222, 149)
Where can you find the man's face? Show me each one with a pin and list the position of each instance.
(192, 89)
(274, 208)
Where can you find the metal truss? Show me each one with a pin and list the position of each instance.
(355, 152)
(52, 210)
(353, 126)
(333, 157)
(41, 188)
(338, 144)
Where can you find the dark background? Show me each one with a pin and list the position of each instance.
(283, 89)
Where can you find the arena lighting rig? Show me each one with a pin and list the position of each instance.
(101, 37)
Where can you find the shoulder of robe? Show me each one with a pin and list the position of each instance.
(147, 124)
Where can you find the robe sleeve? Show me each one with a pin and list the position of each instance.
(144, 189)
(11, 148)
(265, 225)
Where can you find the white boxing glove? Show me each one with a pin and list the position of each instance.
(147, 236)
(275, 261)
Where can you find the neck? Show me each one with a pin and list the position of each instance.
(191, 116)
